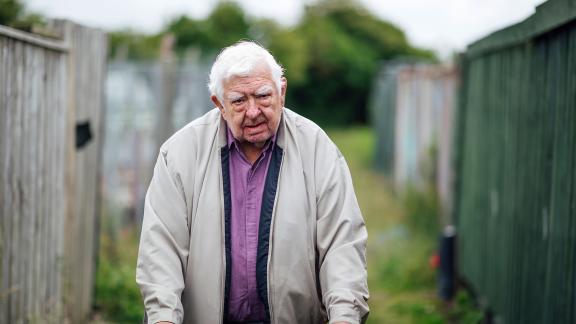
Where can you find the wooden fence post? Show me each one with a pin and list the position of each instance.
(85, 120)
(168, 88)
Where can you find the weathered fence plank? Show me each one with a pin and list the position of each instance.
(87, 63)
(38, 120)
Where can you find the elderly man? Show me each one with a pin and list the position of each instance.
(251, 216)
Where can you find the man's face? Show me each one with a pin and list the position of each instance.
(252, 106)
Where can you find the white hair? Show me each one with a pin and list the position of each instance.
(239, 60)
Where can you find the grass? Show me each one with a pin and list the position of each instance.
(118, 298)
(402, 237)
(400, 281)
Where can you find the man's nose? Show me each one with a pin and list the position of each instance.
(253, 111)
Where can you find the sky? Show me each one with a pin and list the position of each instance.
(445, 26)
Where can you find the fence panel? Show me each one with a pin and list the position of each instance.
(135, 96)
(412, 113)
(516, 163)
(85, 100)
(37, 146)
(32, 183)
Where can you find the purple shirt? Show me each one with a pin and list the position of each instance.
(246, 188)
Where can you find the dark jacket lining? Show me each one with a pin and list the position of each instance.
(268, 199)
(224, 153)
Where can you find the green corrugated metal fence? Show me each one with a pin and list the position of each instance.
(516, 161)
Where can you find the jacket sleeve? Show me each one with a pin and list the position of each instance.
(163, 250)
(341, 241)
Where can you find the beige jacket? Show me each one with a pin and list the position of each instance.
(315, 262)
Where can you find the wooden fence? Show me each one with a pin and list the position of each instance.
(412, 106)
(141, 123)
(51, 98)
(516, 205)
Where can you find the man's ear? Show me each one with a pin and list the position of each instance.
(283, 86)
(217, 103)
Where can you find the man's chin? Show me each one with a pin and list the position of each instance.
(258, 140)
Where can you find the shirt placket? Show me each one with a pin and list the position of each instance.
(244, 244)
(252, 224)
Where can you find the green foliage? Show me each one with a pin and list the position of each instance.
(223, 27)
(13, 13)
(189, 33)
(10, 11)
(419, 313)
(128, 44)
(407, 268)
(465, 309)
(118, 298)
(346, 44)
(423, 211)
(226, 25)
(287, 46)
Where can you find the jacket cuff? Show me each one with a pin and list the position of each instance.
(164, 315)
(344, 314)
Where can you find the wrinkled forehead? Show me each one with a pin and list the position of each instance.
(234, 93)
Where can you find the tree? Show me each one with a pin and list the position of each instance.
(14, 14)
(346, 45)
(287, 46)
(129, 44)
(224, 26)
(10, 11)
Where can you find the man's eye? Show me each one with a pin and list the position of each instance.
(264, 96)
(237, 101)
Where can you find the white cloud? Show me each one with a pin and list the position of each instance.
(448, 25)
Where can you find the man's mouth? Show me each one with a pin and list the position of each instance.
(253, 125)
(254, 128)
